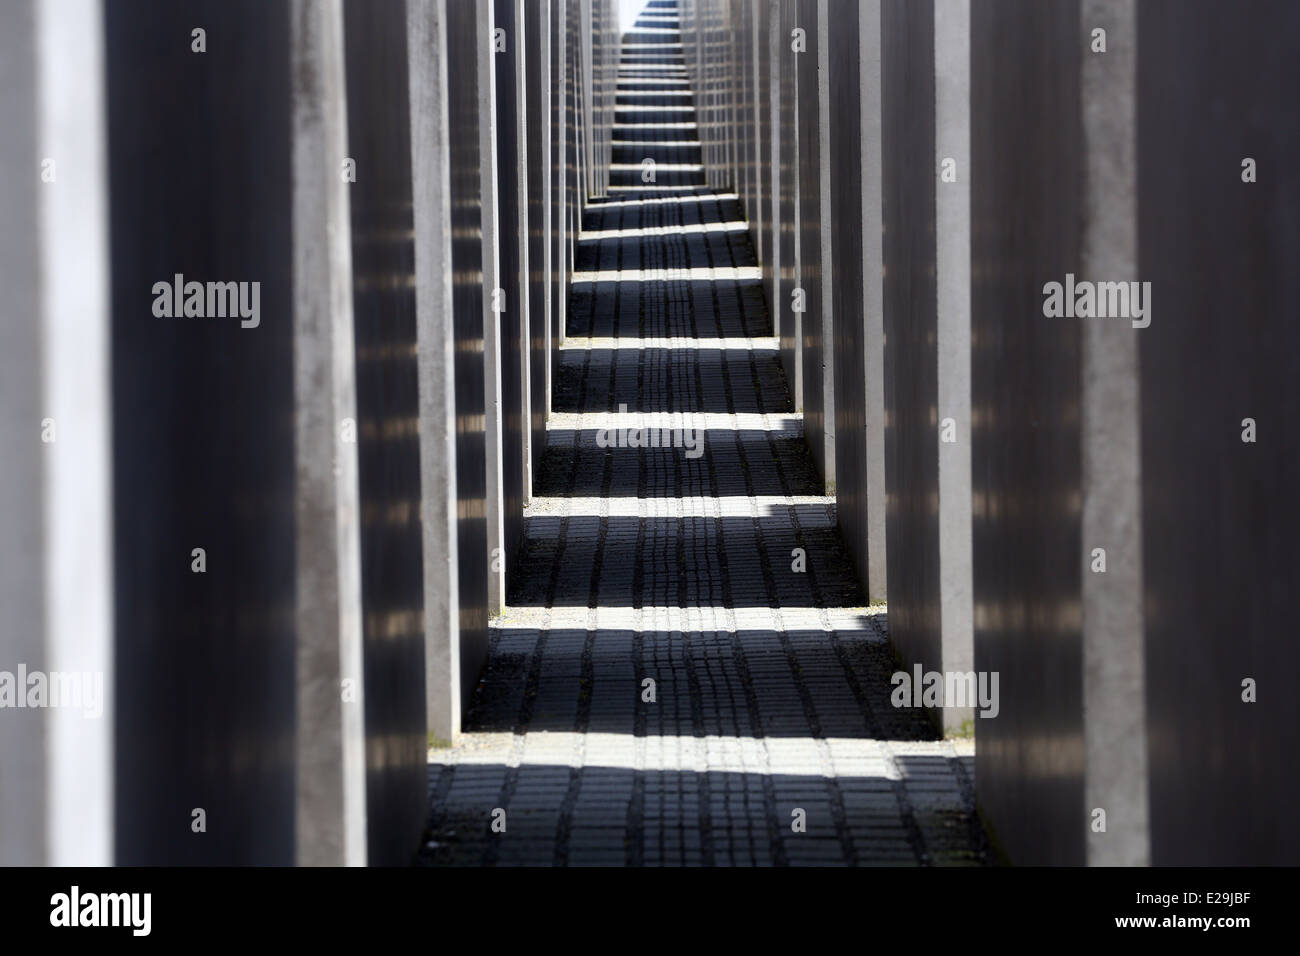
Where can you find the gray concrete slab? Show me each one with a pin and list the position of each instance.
(754, 110)
(493, 347)
(431, 192)
(535, 156)
(203, 434)
(925, 192)
(815, 272)
(402, 551)
(1026, 382)
(557, 286)
(787, 220)
(1219, 517)
(331, 773)
(56, 531)
(512, 185)
(1114, 672)
(856, 294)
(463, 41)
(770, 250)
(23, 749)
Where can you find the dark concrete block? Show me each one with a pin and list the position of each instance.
(535, 155)
(511, 279)
(1215, 84)
(1026, 156)
(203, 439)
(926, 310)
(786, 186)
(384, 310)
(856, 295)
(816, 327)
(464, 171)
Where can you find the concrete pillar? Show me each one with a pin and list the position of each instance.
(580, 126)
(512, 253)
(589, 105)
(856, 286)
(331, 776)
(926, 181)
(390, 427)
(525, 212)
(608, 84)
(1114, 672)
(492, 304)
(56, 535)
(573, 142)
(1218, 238)
(734, 172)
(557, 271)
(1059, 487)
(786, 219)
(436, 344)
(1028, 547)
(536, 157)
(769, 249)
(755, 104)
(705, 77)
(205, 479)
(816, 324)
(462, 32)
(444, 103)
(952, 248)
(562, 143)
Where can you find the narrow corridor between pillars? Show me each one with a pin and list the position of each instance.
(685, 672)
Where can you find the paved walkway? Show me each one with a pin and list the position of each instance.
(666, 687)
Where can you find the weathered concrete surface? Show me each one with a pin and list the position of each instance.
(535, 155)
(1215, 85)
(788, 223)
(512, 279)
(395, 565)
(714, 69)
(1123, 689)
(450, 198)
(1073, 742)
(952, 327)
(770, 251)
(463, 38)
(572, 113)
(330, 774)
(56, 570)
(1114, 672)
(443, 309)
(856, 293)
(755, 119)
(598, 29)
(494, 477)
(23, 751)
(203, 435)
(1026, 382)
(557, 282)
(816, 325)
(926, 258)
